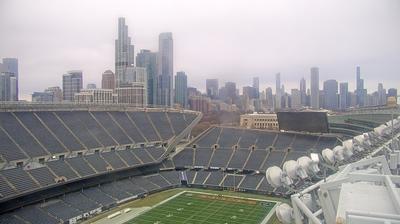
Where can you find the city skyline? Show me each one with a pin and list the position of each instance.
(207, 50)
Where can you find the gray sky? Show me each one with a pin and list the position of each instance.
(224, 39)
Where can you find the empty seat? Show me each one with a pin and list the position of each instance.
(114, 192)
(62, 169)
(34, 215)
(79, 129)
(229, 137)
(20, 179)
(112, 127)
(113, 159)
(202, 157)
(97, 162)
(171, 176)
(275, 158)
(155, 152)
(40, 132)
(80, 166)
(5, 189)
(62, 133)
(143, 123)
(60, 210)
(210, 138)
(304, 142)
(255, 160)
(238, 159)
(8, 149)
(251, 182)
(184, 158)
(264, 186)
(248, 138)
(95, 128)
(200, 177)
(232, 180)
(265, 139)
(21, 136)
(80, 202)
(145, 184)
(178, 121)
(283, 141)
(221, 158)
(95, 194)
(214, 179)
(158, 180)
(128, 186)
(161, 122)
(43, 176)
(143, 155)
(130, 129)
(128, 157)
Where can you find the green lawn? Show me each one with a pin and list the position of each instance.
(195, 207)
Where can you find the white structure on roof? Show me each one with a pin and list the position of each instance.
(365, 191)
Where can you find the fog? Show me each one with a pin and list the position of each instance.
(225, 39)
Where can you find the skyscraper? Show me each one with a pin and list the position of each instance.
(165, 69)
(108, 80)
(269, 97)
(295, 99)
(11, 65)
(72, 83)
(381, 94)
(303, 92)
(360, 92)
(314, 99)
(181, 89)
(212, 88)
(124, 52)
(148, 60)
(331, 94)
(344, 95)
(278, 91)
(256, 85)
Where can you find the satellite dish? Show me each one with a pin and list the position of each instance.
(284, 213)
(380, 130)
(338, 153)
(359, 139)
(273, 176)
(328, 156)
(348, 148)
(294, 170)
(308, 165)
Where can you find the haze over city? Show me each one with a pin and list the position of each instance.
(228, 40)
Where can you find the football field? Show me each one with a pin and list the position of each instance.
(195, 207)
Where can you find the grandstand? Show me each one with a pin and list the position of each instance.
(61, 165)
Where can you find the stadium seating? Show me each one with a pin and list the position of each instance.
(229, 137)
(112, 128)
(127, 125)
(80, 166)
(60, 130)
(79, 201)
(184, 158)
(160, 120)
(61, 210)
(250, 182)
(209, 139)
(239, 158)
(231, 180)
(220, 158)
(202, 157)
(43, 176)
(256, 159)
(20, 179)
(113, 159)
(146, 127)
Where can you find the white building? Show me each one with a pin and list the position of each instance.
(98, 96)
(259, 121)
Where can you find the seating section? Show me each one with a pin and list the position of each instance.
(39, 135)
(74, 204)
(113, 159)
(20, 179)
(80, 166)
(43, 176)
(253, 149)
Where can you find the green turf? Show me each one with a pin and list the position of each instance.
(192, 207)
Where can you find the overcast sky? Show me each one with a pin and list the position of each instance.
(225, 39)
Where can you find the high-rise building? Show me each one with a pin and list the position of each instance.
(42, 97)
(303, 91)
(108, 80)
(133, 87)
(165, 69)
(56, 93)
(91, 86)
(72, 83)
(269, 97)
(278, 91)
(331, 94)
(314, 98)
(295, 99)
(250, 92)
(212, 88)
(392, 92)
(124, 51)
(230, 92)
(256, 85)
(11, 65)
(181, 89)
(344, 95)
(148, 60)
(360, 91)
(381, 94)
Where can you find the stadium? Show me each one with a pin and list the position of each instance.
(122, 164)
